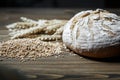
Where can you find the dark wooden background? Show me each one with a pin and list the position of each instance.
(61, 3)
(63, 67)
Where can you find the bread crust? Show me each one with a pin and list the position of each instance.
(106, 52)
(93, 34)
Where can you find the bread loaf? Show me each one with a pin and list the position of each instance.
(93, 34)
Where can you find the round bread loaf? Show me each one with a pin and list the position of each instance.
(93, 34)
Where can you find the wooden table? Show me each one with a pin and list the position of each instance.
(63, 67)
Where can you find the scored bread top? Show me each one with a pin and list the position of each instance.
(92, 29)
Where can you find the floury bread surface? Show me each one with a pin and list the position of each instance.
(93, 33)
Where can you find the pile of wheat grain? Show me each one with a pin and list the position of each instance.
(30, 48)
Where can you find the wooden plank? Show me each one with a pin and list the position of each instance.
(68, 69)
(4, 35)
(8, 16)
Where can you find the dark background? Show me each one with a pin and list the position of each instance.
(61, 3)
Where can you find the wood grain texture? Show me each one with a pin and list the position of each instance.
(62, 67)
